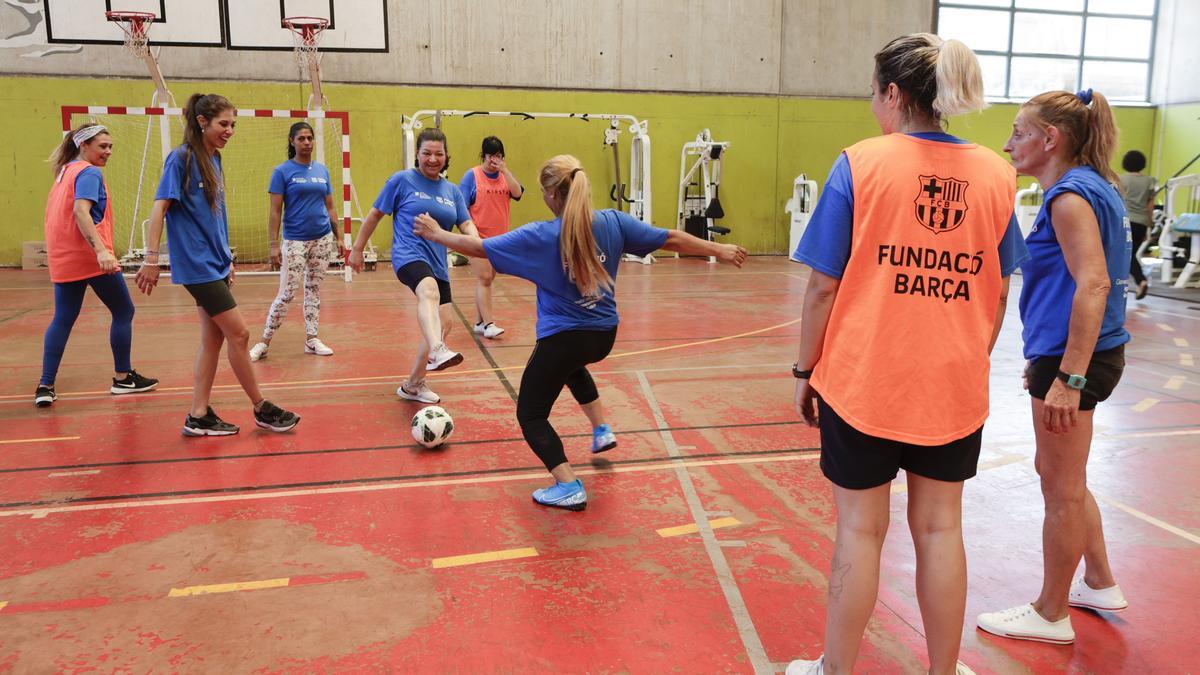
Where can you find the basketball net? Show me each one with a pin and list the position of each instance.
(306, 38)
(136, 26)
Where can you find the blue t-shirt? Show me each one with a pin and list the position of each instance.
(467, 186)
(1049, 289)
(304, 188)
(825, 246)
(89, 185)
(197, 234)
(406, 195)
(532, 252)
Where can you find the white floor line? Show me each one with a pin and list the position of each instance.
(1148, 518)
(733, 596)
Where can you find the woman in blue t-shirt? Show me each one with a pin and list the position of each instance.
(573, 261)
(191, 199)
(302, 197)
(420, 264)
(1073, 311)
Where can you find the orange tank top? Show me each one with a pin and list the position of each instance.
(905, 355)
(490, 210)
(69, 256)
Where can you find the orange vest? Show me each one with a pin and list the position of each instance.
(69, 255)
(490, 210)
(905, 355)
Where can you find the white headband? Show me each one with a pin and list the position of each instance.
(85, 134)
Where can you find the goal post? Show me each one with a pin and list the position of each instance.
(260, 144)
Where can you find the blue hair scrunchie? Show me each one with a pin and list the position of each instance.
(1085, 95)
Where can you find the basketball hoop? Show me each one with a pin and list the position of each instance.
(306, 37)
(136, 26)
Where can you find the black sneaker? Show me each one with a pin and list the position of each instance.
(272, 417)
(133, 383)
(208, 425)
(44, 397)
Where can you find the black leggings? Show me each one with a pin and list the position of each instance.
(1138, 232)
(558, 360)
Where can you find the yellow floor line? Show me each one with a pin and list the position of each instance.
(1181, 342)
(1166, 327)
(40, 440)
(1176, 382)
(3, 604)
(1145, 404)
(693, 528)
(1156, 434)
(1186, 360)
(489, 556)
(1178, 531)
(227, 588)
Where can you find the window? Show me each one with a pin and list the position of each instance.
(1026, 47)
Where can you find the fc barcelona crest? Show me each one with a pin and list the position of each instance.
(941, 203)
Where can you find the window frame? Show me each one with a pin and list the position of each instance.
(1080, 58)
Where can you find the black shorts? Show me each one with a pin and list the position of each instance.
(412, 273)
(858, 461)
(214, 297)
(1103, 374)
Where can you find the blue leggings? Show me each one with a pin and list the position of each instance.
(68, 300)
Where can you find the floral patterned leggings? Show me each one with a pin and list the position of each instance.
(307, 260)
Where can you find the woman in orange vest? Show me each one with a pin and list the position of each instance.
(79, 249)
(488, 188)
(910, 246)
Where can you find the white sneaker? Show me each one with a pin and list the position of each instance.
(961, 669)
(315, 346)
(1109, 599)
(441, 358)
(488, 330)
(1024, 623)
(806, 667)
(422, 393)
(259, 351)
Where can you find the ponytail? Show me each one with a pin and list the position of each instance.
(66, 151)
(1086, 123)
(208, 106)
(564, 176)
(959, 80)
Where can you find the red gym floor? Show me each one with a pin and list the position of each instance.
(705, 547)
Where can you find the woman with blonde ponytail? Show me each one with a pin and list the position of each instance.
(1073, 311)
(573, 261)
(79, 232)
(888, 244)
(191, 200)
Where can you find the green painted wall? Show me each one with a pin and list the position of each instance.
(773, 139)
(1180, 142)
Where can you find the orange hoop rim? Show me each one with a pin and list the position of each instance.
(137, 20)
(307, 26)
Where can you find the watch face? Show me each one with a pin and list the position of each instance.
(1076, 381)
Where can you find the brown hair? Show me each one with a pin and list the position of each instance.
(435, 135)
(209, 106)
(66, 151)
(939, 77)
(563, 175)
(1086, 122)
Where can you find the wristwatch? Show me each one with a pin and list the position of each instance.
(1076, 382)
(800, 374)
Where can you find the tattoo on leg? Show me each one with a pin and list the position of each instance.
(837, 575)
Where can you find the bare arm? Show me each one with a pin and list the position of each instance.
(818, 305)
(468, 228)
(273, 220)
(147, 276)
(468, 243)
(355, 260)
(514, 187)
(83, 220)
(1079, 236)
(1000, 309)
(336, 224)
(682, 242)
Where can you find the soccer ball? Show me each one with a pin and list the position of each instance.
(432, 426)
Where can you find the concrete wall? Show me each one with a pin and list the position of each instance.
(792, 47)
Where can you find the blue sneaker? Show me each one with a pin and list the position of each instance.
(603, 439)
(569, 496)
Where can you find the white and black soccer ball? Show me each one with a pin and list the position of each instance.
(432, 426)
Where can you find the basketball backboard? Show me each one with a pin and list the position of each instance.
(197, 23)
(354, 25)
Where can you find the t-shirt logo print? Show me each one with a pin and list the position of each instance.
(941, 203)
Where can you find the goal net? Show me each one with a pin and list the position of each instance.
(142, 138)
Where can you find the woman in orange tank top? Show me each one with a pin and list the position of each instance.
(910, 247)
(488, 189)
